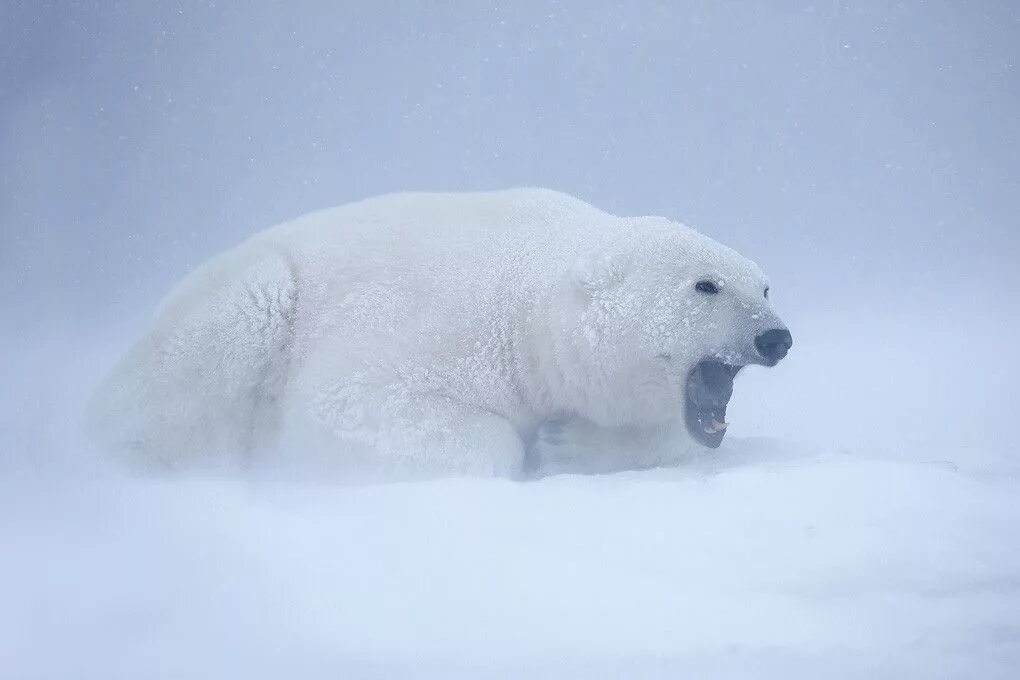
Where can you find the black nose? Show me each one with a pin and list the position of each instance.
(774, 344)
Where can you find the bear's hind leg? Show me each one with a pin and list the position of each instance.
(203, 386)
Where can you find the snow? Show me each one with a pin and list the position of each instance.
(849, 546)
(817, 564)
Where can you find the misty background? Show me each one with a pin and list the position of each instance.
(866, 154)
(863, 152)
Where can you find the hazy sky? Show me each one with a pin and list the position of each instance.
(862, 152)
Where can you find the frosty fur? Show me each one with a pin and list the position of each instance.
(424, 334)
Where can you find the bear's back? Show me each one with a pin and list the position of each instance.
(449, 242)
(438, 221)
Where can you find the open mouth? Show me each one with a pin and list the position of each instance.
(709, 388)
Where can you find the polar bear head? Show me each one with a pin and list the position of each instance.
(658, 324)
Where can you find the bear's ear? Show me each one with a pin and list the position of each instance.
(596, 273)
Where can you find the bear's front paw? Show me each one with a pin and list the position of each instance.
(552, 432)
(552, 449)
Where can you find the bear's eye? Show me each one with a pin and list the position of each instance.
(707, 287)
(766, 292)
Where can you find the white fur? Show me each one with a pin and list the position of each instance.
(419, 334)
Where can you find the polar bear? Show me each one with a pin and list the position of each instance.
(422, 334)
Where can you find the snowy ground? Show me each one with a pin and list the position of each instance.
(823, 565)
(864, 552)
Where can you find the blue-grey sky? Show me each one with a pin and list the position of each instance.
(862, 152)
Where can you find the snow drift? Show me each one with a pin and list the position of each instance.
(857, 546)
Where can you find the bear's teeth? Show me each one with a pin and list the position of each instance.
(716, 426)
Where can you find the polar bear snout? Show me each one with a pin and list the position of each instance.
(773, 345)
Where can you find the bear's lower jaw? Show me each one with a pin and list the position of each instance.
(707, 393)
